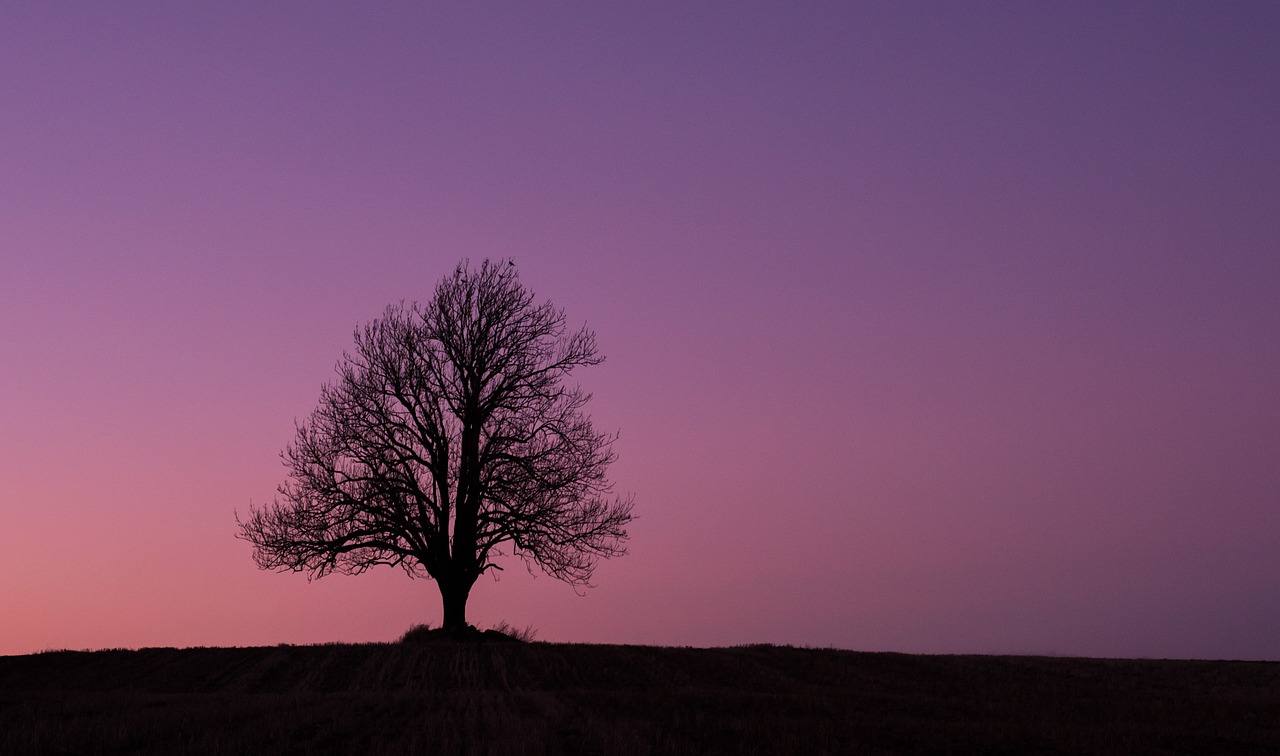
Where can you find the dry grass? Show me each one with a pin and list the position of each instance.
(527, 634)
(542, 698)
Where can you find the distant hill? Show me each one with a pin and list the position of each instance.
(544, 698)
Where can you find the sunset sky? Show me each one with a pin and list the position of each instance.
(931, 327)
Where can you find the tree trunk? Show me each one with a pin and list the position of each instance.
(453, 595)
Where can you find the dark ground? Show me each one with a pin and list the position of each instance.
(541, 698)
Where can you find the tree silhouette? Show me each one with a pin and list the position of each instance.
(447, 438)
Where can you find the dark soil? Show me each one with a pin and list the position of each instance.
(451, 697)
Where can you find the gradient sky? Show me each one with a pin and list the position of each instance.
(931, 327)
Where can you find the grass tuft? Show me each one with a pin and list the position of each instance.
(416, 634)
(526, 635)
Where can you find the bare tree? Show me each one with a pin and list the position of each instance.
(448, 438)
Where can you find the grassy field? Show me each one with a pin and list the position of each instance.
(543, 698)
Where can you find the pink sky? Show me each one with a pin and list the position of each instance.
(930, 327)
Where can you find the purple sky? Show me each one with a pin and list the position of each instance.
(931, 327)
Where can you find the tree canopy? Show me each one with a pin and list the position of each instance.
(449, 438)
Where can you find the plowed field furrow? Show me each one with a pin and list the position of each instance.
(536, 699)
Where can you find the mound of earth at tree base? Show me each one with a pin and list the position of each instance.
(464, 634)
